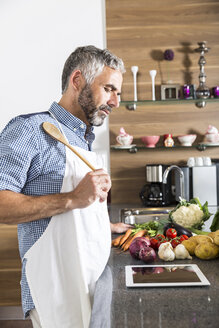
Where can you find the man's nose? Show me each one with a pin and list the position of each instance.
(114, 101)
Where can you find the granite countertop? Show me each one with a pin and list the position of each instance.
(167, 306)
(162, 307)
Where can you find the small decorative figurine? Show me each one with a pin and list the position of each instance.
(168, 140)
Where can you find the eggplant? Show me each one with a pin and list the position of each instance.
(179, 229)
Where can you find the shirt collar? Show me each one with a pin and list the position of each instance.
(71, 121)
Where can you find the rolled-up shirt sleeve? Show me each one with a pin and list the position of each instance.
(19, 155)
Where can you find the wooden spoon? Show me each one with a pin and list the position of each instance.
(55, 133)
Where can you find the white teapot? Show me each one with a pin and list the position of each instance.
(212, 134)
(124, 139)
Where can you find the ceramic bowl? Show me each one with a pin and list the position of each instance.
(187, 139)
(150, 141)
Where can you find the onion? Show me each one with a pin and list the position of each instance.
(147, 254)
(137, 244)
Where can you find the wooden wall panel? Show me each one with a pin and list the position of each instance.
(10, 266)
(139, 32)
(153, 120)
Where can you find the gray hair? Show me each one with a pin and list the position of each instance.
(90, 61)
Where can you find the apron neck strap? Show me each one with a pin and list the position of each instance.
(58, 125)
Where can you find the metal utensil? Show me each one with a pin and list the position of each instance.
(55, 133)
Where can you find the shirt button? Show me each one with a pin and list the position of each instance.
(74, 129)
(81, 126)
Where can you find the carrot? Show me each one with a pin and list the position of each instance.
(116, 241)
(125, 237)
(141, 233)
(126, 242)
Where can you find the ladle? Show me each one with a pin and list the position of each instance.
(55, 133)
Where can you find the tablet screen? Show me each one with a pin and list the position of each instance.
(164, 275)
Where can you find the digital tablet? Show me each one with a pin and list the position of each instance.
(166, 275)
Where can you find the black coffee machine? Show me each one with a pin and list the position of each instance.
(155, 193)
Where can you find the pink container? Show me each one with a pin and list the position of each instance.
(150, 141)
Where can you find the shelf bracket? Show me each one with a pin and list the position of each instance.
(133, 150)
(131, 106)
(201, 147)
(200, 104)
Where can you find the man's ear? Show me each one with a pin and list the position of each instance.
(76, 80)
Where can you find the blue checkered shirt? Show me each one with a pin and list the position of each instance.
(32, 163)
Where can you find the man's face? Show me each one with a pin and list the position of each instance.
(98, 99)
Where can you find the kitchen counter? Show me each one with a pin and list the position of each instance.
(130, 307)
(167, 306)
(162, 307)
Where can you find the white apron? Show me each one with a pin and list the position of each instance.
(66, 261)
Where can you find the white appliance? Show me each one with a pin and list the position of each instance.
(204, 184)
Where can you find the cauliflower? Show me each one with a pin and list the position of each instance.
(188, 216)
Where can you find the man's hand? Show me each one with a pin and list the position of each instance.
(119, 227)
(94, 185)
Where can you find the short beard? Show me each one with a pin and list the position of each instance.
(91, 111)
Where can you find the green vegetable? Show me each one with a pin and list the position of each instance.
(151, 227)
(204, 208)
(199, 232)
(215, 223)
(162, 224)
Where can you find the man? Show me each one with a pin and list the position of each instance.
(54, 198)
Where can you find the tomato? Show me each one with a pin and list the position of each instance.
(159, 237)
(161, 241)
(183, 237)
(171, 233)
(154, 243)
(175, 242)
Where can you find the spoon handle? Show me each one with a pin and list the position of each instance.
(56, 134)
(80, 156)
